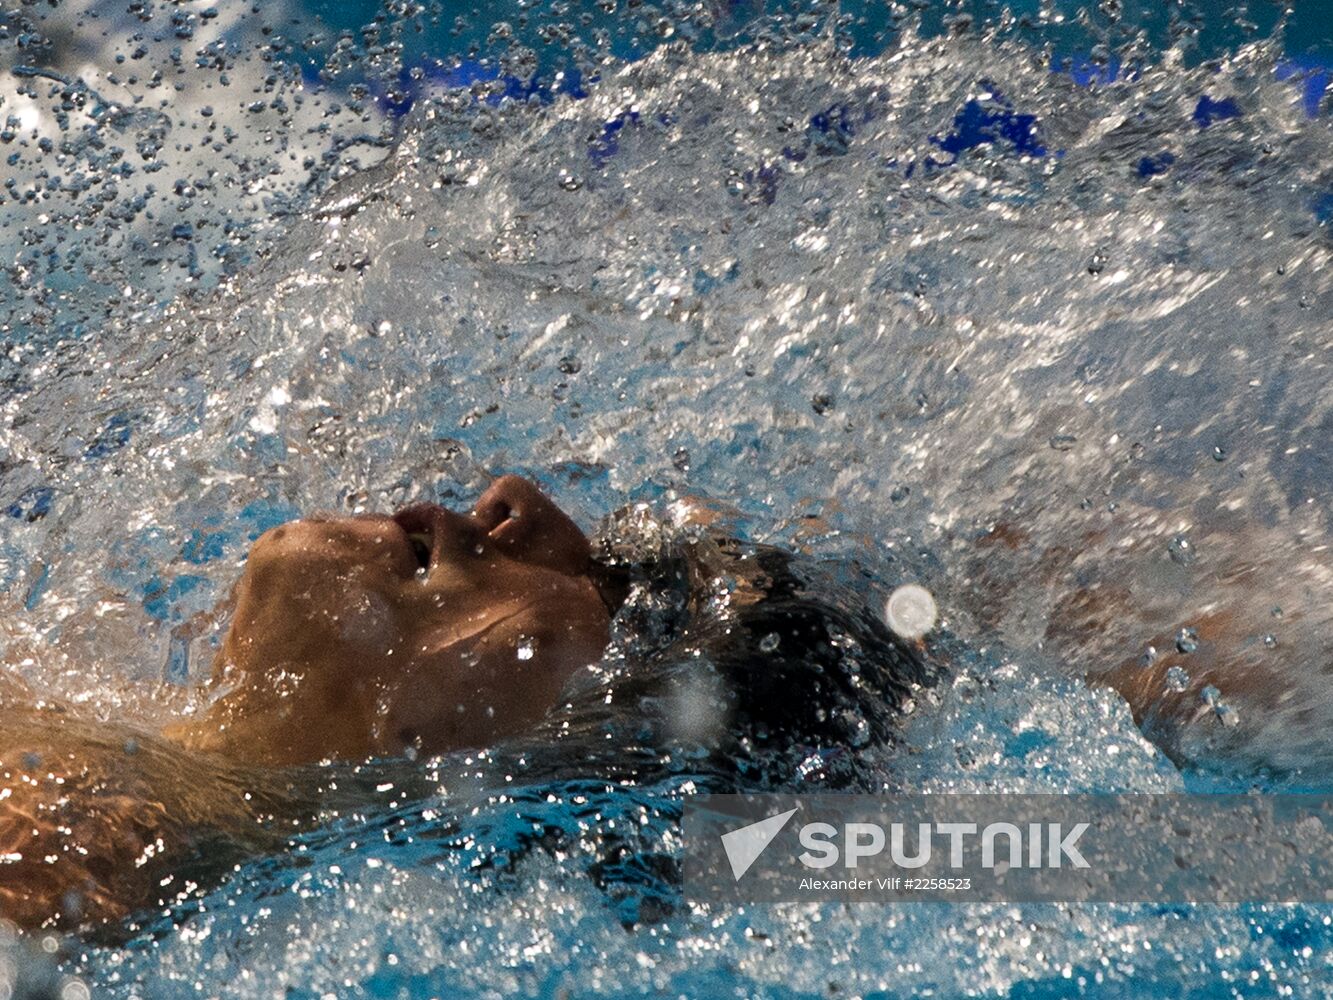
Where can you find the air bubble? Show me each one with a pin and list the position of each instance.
(1187, 640)
(769, 643)
(911, 611)
(1180, 550)
(1226, 715)
(859, 734)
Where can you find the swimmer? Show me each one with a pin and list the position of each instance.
(425, 632)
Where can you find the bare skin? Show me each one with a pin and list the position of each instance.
(351, 638)
(1122, 629)
(367, 636)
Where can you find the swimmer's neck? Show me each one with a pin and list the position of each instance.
(254, 726)
(320, 709)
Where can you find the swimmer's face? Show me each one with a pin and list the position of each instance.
(431, 630)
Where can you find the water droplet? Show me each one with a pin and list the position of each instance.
(769, 642)
(911, 611)
(1149, 656)
(432, 237)
(860, 729)
(525, 649)
(1270, 640)
(821, 402)
(1063, 442)
(1177, 680)
(1219, 453)
(570, 365)
(899, 495)
(1226, 715)
(1187, 640)
(571, 182)
(1180, 550)
(681, 459)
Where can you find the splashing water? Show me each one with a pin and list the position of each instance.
(1055, 345)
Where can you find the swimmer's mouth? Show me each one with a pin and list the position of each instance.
(432, 530)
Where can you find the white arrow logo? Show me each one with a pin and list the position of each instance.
(744, 846)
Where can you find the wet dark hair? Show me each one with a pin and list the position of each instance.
(733, 667)
(752, 662)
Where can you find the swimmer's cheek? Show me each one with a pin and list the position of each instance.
(502, 685)
(294, 571)
(289, 548)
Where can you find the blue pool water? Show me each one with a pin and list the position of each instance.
(892, 289)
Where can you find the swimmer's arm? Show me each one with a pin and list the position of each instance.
(98, 822)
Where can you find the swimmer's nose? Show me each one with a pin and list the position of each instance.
(435, 532)
(519, 519)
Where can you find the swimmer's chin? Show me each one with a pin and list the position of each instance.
(461, 685)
